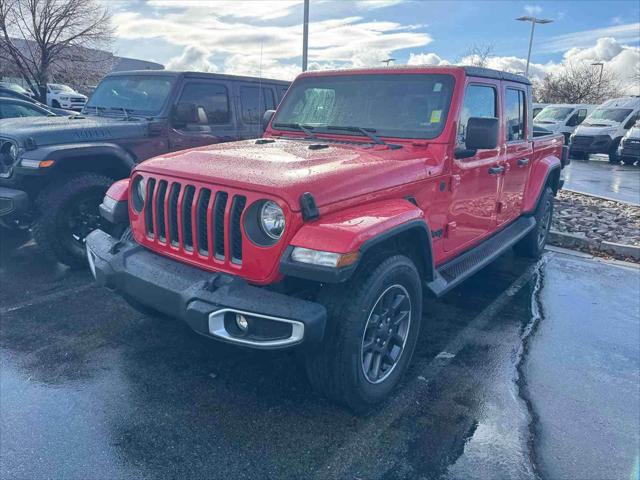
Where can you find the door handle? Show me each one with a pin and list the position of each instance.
(497, 170)
(523, 162)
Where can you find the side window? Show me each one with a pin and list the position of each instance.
(632, 121)
(582, 114)
(254, 104)
(211, 101)
(514, 114)
(12, 110)
(479, 101)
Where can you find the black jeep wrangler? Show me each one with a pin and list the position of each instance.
(54, 171)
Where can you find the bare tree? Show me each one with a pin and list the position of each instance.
(578, 83)
(477, 54)
(45, 37)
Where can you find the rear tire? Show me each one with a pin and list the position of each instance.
(67, 213)
(578, 155)
(532, 245)
(363, 331)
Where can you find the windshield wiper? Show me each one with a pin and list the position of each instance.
(369, 132)
(306, 129)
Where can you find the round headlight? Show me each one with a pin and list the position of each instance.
(272, 220)
(13, 152)
(139, 193)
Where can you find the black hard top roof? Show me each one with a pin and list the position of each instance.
(497, 74)
(191, 74)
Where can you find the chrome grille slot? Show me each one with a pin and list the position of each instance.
(174, 193)
(160, 210)
(187, 218)
(202, 226)
(237, 207)
(148, 209)
(219, 208)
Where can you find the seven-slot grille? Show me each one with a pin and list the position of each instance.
(194, 219)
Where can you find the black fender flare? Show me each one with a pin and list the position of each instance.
(61, 154)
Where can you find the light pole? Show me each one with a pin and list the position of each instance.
(305, 36)
(601, 65)
(388, 61)
(533, 21)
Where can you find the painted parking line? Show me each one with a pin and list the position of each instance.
(343, 463)
(51, 297)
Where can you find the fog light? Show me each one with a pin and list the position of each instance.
(241, 322)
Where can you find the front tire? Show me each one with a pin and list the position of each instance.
(371, 334)
(613, 152)
(67, 213)
(532, 245)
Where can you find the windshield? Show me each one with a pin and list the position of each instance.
(60, 88)
(137, 93)
(554, 113)
(610, 114)
(402, 106)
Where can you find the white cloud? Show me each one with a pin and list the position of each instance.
(426, 59)
(533, 9)
(235, 32)
(193, 57)
(619, 59)
(561, 43)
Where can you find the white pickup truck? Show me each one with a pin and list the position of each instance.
(563, 118)
(603, 129)
(63, 96)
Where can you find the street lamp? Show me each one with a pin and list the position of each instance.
(388, 61)
(601, 65)
(305, 36)
(533, 21)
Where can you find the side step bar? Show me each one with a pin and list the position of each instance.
(455, 271)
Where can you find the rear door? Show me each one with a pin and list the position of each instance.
(215, 119)
(518, 153)
(474, 181)
(254, 100)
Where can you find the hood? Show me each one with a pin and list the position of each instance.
(604, 127)
(548, 125)
(289, 168)
(71, 129)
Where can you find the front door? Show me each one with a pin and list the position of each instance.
(475, 180)
(214, 122)
(518, 154)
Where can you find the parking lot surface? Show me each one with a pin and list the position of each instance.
(598, 177)
(525, 371)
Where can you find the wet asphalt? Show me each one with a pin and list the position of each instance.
(597, 176)
(528, 370)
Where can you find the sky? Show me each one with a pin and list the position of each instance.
(253, 37)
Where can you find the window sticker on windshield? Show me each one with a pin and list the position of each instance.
(435, 116)
(437, 87)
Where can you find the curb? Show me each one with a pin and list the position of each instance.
(609, 199)
(577, 242)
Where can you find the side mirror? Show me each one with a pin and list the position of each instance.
(185, 113)
(482, 133)
(266, 118)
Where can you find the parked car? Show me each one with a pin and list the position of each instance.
(538, 107)
(54, 171)
(563, 118)
(369, 189)
(17, 88)
(63, 96)
(8, 93)
(603, 129)
(629, 149)
(14, 108)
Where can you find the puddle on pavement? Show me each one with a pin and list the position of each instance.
(153, 397)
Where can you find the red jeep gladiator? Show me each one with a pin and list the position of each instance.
(368, 188)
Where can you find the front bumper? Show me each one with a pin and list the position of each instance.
(13, 202)
(208, 302)
(590, 144)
